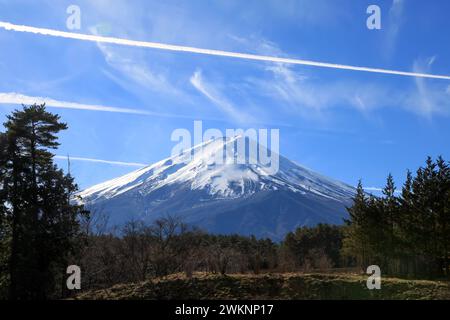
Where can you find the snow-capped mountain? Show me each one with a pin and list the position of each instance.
(224, 198)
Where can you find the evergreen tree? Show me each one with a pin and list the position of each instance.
(44, 225)
(424, 199)
(356, 239)
(443, 213)
(4, 226)
(408, 229)
(390, 249)
(376, 233)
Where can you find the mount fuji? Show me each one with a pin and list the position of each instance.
(224, 198)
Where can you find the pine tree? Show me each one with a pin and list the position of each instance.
(356, 242)
(408, 228)
(427, 203)
(4, 226)
(390, 219)
(443, 212)
(44, 224)
(427, 199)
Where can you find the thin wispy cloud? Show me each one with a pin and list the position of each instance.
(134, 67)
(310, 98)
(293, 88)
(177, 48)
(425, 103)
(118, 163)
(304, 95)
(428, 99)
(216, 97)
(395, 21)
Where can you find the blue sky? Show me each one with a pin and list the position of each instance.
(345, 124)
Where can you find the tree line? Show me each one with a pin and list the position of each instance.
(137, 252)
(406, 232)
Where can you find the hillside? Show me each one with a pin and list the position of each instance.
(293, 286)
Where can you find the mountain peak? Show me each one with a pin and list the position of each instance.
(198, 166)
(196, 179)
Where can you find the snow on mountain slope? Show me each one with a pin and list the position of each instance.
(202, 192)
(228, 180)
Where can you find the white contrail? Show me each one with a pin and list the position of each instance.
(377, 189)
(17, 98)
(119, 163)
(373, 189)
(163, 46)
